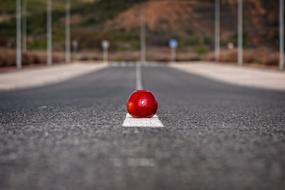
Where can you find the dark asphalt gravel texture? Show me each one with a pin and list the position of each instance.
(69, 136)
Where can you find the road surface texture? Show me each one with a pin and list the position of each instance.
(69, 135)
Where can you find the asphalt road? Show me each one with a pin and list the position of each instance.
(69, 135)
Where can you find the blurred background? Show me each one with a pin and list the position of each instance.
(121, 22)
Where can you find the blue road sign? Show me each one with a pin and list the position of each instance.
(173, 43)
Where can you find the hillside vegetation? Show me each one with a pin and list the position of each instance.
(190, 21)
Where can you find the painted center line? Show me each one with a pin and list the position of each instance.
(139, 77)
(130, 121)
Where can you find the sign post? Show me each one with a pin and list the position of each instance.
(143, 38)
(105, 46)
(49, 32)
(281, 34)
(217, 30)
(24, 17)
(240, 32)
(18, 35)
(67, 32)
(75, 48)
(173, 46)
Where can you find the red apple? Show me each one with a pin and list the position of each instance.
(142, 104)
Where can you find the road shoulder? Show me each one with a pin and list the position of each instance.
(243, 76)
(46, 75)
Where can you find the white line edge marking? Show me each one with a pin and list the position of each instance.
(153, 122)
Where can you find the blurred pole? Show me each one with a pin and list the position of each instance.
(240, 32)
(24, 26)
(281, 34)
(173, 55)
(105, 47)
(67, 33)
(142, 35)
(49, 32)
(217, 30)
(19, 39)
(105, 55)
(74, 49)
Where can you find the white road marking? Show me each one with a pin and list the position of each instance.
(114, 64)
(139, 85)
(153, 122)
(122, 64)
(134, 162)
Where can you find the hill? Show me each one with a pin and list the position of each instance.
(191, 21)
(194, 20)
